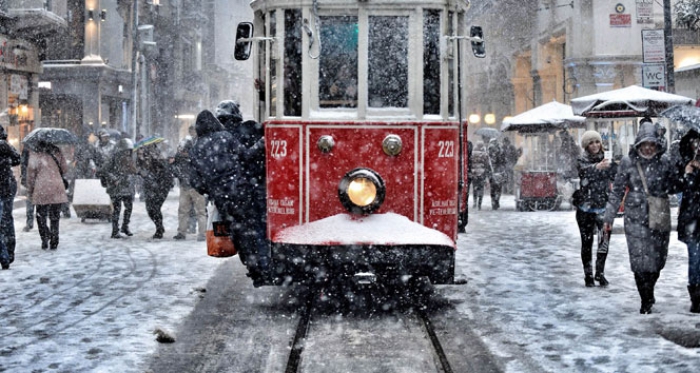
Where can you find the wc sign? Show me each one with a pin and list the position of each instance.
(653, 75)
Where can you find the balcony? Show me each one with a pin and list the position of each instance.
(33, 19)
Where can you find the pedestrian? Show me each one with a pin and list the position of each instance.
(218, 170)
(650, 176)
(104, 148)
(157, 182)
(9, 157)
(689, 212)
(464, 216)
(28, 205)
(117, 177)
(190, 199)
(85, 167)
(511, 154)
(497, 172)
(569, 153)
(46, 189)
(596, 173)
(479, 173)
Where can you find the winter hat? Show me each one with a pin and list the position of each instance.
(589, 137)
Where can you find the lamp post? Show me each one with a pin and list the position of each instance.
(668, 34)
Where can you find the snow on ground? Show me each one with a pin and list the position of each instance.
(92, 305)
(528, 301)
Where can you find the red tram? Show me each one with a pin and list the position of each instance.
(362, 115)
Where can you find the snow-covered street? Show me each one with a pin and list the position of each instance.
(92, 305)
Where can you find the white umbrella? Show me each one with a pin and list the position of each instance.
(551, 116)
(633, 101)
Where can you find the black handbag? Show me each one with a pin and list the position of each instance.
(66, 184)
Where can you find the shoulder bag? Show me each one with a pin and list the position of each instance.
(60, 171)
(659, 208)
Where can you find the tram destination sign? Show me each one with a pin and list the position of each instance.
(653, 46)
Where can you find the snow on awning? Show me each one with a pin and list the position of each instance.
(633, 101)
(551, 116)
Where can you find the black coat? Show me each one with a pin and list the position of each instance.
(117, 174)
(689, 211)
(9, 157)
(595, 184)
(216, 160)
(250, 135)
(157, 177)
(647, 248)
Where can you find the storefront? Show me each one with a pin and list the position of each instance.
(19, 67)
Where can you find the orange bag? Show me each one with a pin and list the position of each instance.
(219, 242)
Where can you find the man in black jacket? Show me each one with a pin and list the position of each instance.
(220, 169)
(9, 157)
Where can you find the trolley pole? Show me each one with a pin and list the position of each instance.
(668, 35)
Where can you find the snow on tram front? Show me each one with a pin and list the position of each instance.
(364, 136)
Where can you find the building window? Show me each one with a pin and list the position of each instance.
(388, 61)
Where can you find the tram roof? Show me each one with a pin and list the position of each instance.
(262, 5)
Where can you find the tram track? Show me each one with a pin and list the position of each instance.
(416, 308)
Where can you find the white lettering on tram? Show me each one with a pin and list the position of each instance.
(447, 149)
(278, 148)
(281, 207)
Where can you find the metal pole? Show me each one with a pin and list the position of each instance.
(668, 34)
(134, 57)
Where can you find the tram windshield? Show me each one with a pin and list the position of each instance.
(338, 62)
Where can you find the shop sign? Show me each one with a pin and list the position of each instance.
(620, 20)
(645, 11)
(653, 75)
(653, 46)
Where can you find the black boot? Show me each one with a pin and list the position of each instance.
(694, 291)
(646, 291)
(115, 230)
(126, 231)
(159, 233)
(588, 279)
(600, 269)
(480, 200)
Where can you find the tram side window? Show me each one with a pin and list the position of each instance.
(337, 75)
(273, 67)
(388, 61)
(431, 62)
(292, 62)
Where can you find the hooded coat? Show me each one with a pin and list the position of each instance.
(689, 211)
(9, 157)
(647, 248)
(216, 160)
(118, 173)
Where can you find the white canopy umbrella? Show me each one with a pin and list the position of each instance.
(551, 116)
(633, 101)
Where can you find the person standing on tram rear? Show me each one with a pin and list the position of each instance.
(650, 176)
(46, 190)
(252, 226)
(689, 211)
(117, 177)
(9, 157)
(218, 170)
(596, 173)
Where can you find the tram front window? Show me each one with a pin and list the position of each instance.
(388, 62)
(338, 62)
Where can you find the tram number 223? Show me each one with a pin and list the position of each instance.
(278, 148)
(447, 149)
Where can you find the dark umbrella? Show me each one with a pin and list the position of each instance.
(687, 115)
(56, 136)
(488, 132)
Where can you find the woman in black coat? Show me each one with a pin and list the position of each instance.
(596, 173)
(9, 157)
(689, 212)
(157, 182)
(648, 248)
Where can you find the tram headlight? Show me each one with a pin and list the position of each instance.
(361, 191)
(392, 145)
